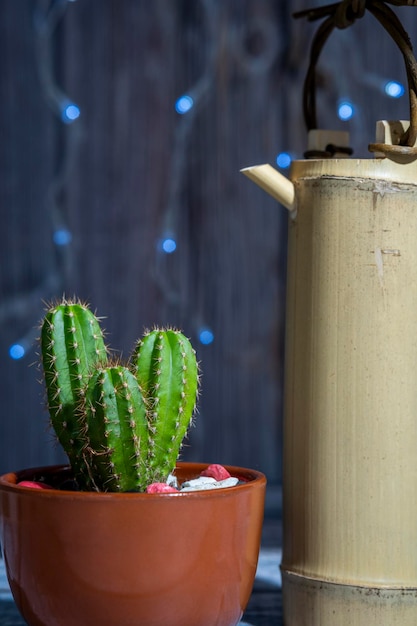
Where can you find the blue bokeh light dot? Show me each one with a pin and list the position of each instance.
(169, 245)
(184, 104)
(62, 237)
(17, 351)
(284, 160)
(345, 110)
(393, 89)
(206, 336)
(70, 112)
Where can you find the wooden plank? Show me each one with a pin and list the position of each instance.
(136, 169)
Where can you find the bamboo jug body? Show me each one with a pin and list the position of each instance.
(350, 424)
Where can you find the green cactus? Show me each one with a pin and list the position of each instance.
(121, 426)
(71, 344)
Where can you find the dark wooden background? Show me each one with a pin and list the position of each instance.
(131, 169)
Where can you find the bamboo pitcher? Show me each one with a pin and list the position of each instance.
(350, 414)
(350, 426)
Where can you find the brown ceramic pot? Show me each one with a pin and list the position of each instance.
(101, 559)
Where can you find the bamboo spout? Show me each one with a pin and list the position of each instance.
(274, 183)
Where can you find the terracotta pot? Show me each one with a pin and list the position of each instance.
(83, 559)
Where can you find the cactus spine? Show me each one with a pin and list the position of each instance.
(121, 426)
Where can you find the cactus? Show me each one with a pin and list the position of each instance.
(121, 426)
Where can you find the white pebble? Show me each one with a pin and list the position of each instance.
(228, 482)
(172, 481)
(206, 482)
(196, 482)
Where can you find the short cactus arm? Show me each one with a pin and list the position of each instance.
(167, 372)
(116, 427)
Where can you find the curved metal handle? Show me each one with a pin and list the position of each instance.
(341, 15)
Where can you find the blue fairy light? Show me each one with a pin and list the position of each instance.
(70, 112)
(393, 89)
(283, 160)
(345, 110)
(184, 104)
(206, 336)
(62, 237)
(17, 351)
(169, 245)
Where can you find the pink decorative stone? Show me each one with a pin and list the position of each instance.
(216, 471)
(34, 485)
(160, 488)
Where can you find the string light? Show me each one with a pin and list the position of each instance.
(206, 336)
(17, 351)
(47, 19)
(345, 110)
(168, 245)
(284, 160)
(184, 104)
(393, 89)
(70, 112)
(62, 237)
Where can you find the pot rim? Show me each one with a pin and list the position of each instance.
(250, 478)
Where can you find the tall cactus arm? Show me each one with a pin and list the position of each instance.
(72, 344)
